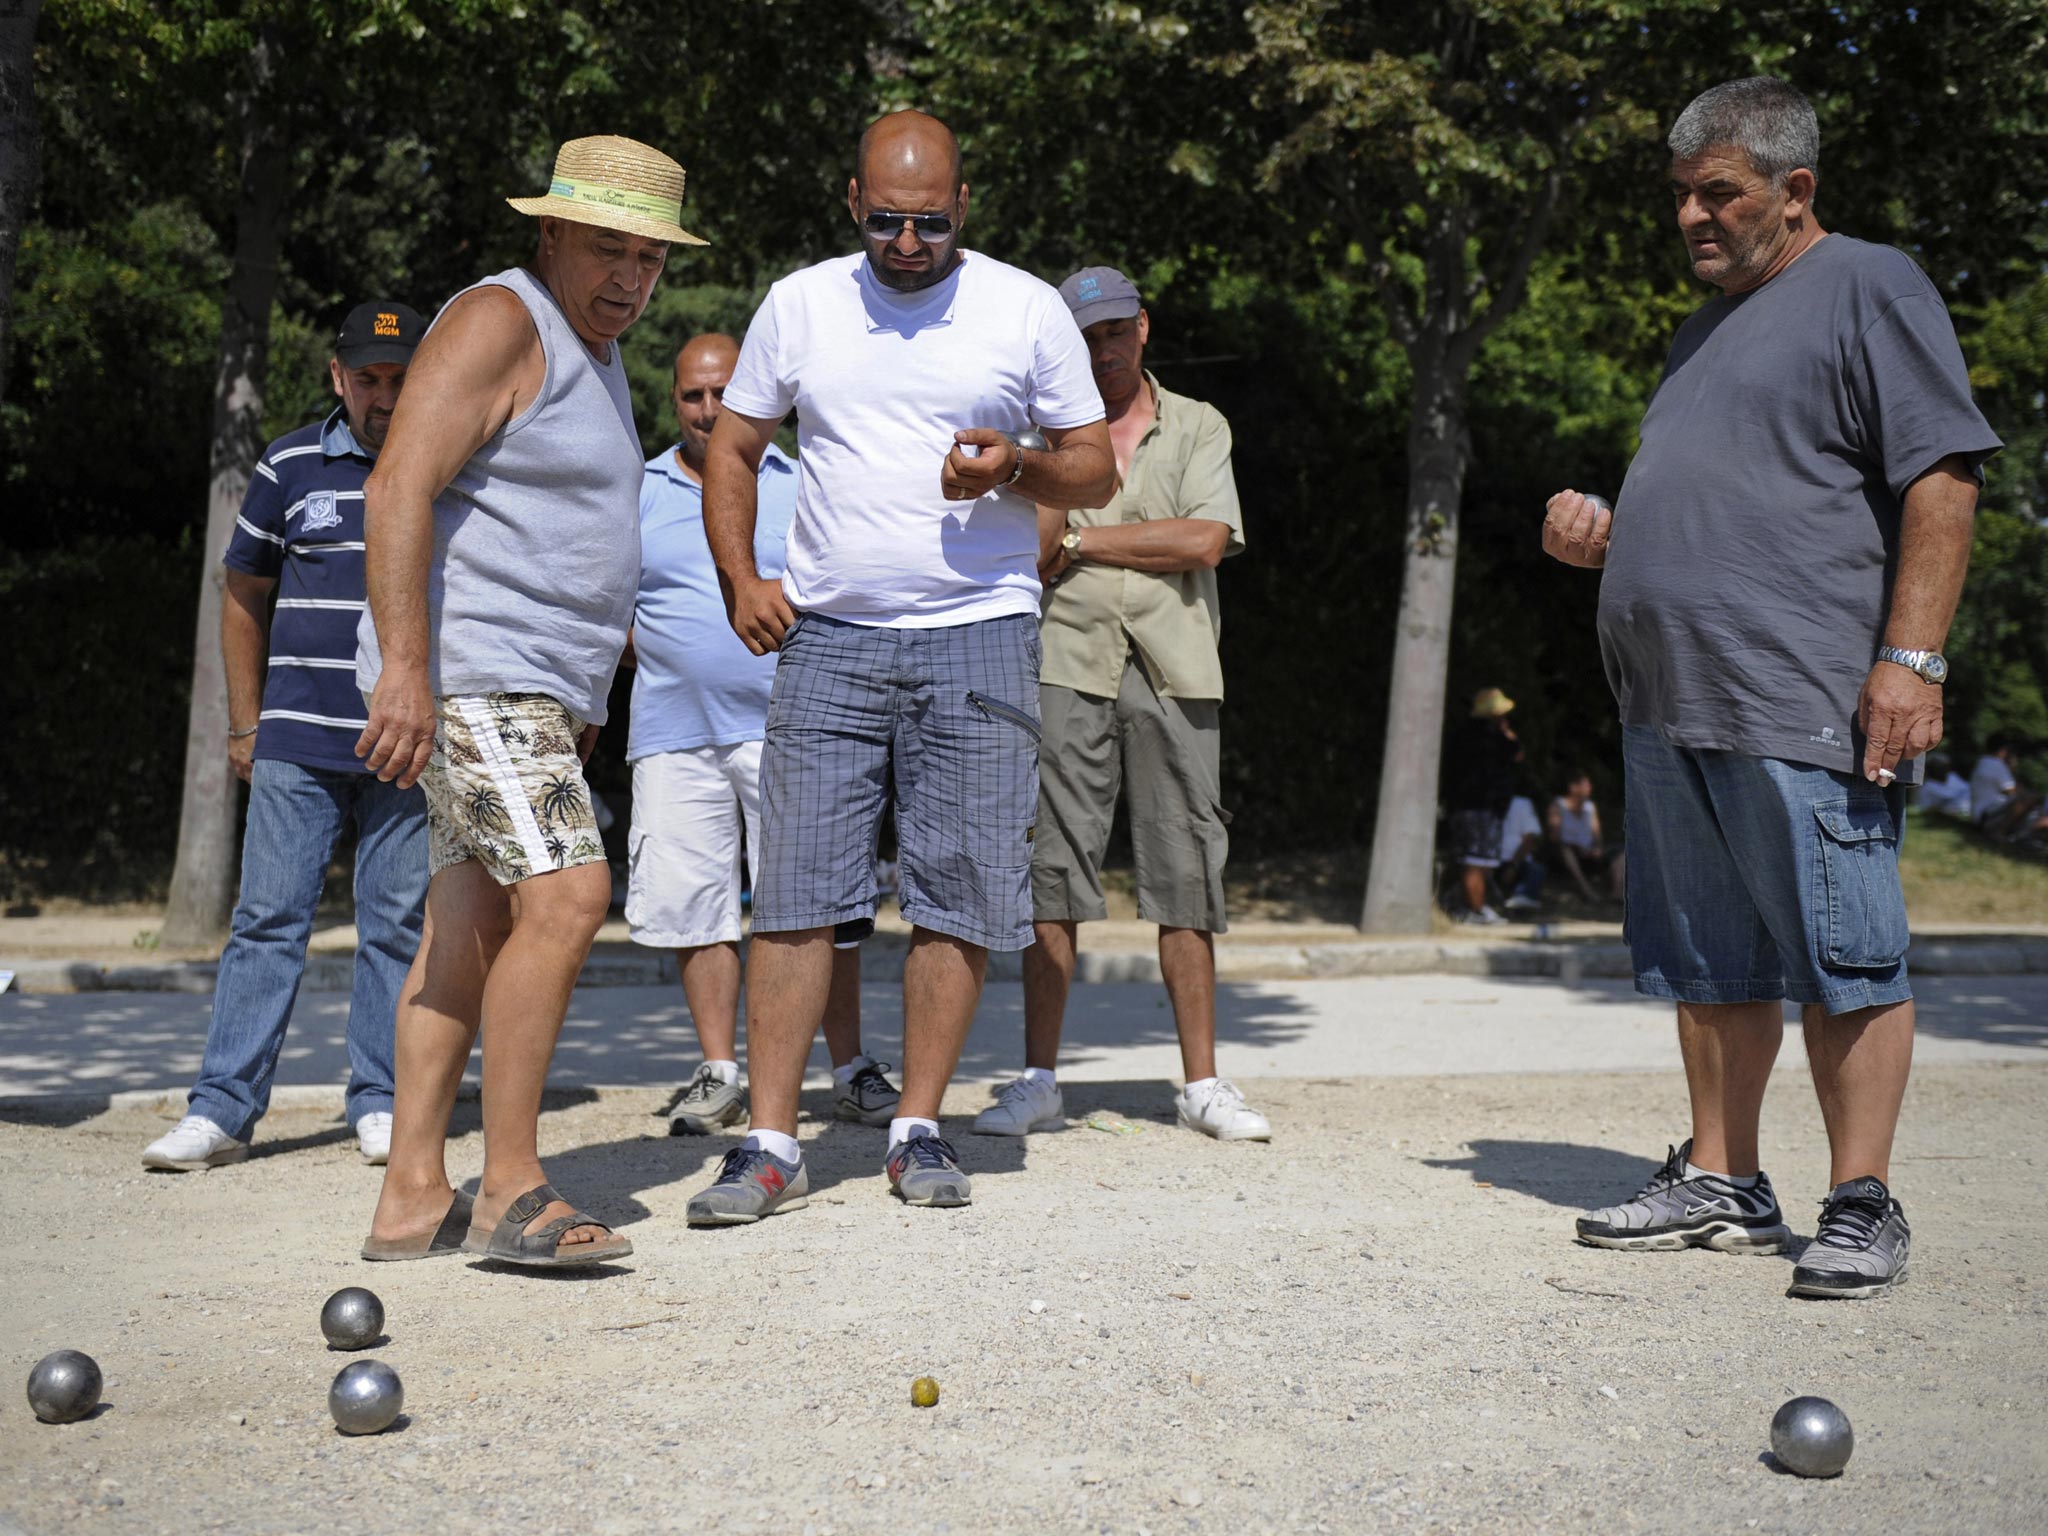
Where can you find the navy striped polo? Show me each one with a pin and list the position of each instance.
(302, 524)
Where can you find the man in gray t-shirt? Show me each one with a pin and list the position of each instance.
(1786, 556)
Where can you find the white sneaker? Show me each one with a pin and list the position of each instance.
(1022, 1106)
(373, 1137)
(1222, 1112)
(195, 1142)
(1522, 904)
(1485, 917)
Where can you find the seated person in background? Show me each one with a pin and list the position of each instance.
(1576, 844)
(1946, 792)
(1997, 803)
(1522, 870)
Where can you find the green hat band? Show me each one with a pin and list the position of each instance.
(646, 205)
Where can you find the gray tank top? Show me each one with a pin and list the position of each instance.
(537, 539)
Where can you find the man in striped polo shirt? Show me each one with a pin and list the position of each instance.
(293, 717)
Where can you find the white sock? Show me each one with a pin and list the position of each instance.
(1043, 1075)
(844, 1075)
(1201, 1087)
(1692, 1171)
(903, 1129)
(782, 1146)
(728, 1071)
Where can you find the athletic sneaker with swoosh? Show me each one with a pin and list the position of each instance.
(1861, 1246)
(1673, 1211)
(925, 1170)
(752, 1182)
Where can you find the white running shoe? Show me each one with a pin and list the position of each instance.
(195, 1142)
(373, 1137)
(1222, 1112)
(1023, 1105)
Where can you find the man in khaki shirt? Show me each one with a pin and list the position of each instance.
(1130, 690)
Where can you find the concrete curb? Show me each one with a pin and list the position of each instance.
(626, 965)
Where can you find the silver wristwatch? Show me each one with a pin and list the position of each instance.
(1931, 665)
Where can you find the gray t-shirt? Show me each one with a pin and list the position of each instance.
(537, 538)
(1750, 568)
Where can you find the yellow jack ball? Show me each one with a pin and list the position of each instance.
(924, 1392)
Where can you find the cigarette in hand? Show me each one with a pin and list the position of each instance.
(1885, 776)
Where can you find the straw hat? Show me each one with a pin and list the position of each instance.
(617, 184)
(1491, 704)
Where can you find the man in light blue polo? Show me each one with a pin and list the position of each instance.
(700, 710)
(293, 718)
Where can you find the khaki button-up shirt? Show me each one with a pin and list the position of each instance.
(1098, 614)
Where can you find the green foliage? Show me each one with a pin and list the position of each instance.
(1270, 174)
(94, 694)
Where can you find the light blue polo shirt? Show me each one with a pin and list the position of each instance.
(697, 685)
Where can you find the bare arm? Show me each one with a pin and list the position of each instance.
(478, 368)
(1158, 544)
(1901, 715)
(1077, 467)
(245, 649)
(758, 612)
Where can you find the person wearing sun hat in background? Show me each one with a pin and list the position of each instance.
(1479, 784)
(503, 531)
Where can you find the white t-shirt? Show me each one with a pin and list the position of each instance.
(1574, 828)
(1947, 797)
(1991, 785)
(880, 381)
(1521, 821)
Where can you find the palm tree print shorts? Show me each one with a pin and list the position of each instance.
(505, 787)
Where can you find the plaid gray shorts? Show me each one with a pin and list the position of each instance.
(945, 722)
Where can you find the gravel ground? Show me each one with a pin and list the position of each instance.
(1378, 1322)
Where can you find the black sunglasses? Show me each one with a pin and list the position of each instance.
(931, 227)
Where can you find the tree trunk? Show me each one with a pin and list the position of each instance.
(203, 883)
(1399, 892)
(21, 151)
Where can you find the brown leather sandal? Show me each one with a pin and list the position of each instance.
(509, 1243)
(446, 1238)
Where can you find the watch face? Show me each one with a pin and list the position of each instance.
(1934, 669)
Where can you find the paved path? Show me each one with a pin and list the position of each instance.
(1392, 1026)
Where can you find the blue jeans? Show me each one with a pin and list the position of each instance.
(1751, 879)
(295, 815)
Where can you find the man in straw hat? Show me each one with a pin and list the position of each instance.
(503, 525)
(1479, 781)
(907, 621)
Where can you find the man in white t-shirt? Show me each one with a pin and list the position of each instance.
(907, 622)
(1577, 843)
(1997, 803)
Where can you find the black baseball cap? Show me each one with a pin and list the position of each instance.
(381, 331)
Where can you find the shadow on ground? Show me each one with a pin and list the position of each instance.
(1562, 1173)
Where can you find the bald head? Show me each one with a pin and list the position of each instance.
(909, 167)
(713, 349)
(703, 368)
(909, 147)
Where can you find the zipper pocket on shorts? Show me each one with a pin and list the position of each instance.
(996, 709)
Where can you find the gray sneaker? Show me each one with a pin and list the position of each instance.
(925, 1170)
(707, 1103)
(751, 1183)
(1861, 1247)
(1706, 1211)
(869, 1096)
